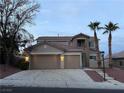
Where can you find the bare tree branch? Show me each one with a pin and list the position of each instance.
(14, 15)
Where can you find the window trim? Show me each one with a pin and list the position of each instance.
(83, 44)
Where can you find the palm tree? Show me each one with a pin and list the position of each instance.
(94, 26)
(109, 28)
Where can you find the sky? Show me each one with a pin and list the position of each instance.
(71, 17)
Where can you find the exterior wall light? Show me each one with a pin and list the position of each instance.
(27, 58)
(62, 58)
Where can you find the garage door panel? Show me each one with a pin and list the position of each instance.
(72, 61)
(45, 62)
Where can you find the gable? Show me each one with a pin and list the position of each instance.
(46, 49)
(80, 36)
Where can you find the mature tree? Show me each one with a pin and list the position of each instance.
(94, 26)
(109, 28)
(14, 15)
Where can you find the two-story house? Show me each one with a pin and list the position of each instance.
(64, 52)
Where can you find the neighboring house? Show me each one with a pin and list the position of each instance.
(69, 52)
(118, 59)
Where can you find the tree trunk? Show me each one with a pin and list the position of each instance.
(3, 59)
(110, 49)
(6, 59)
(97, 50)
(12, 59)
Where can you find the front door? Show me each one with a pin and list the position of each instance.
(84, 61)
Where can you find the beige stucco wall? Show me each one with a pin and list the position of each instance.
(93, 63)
(45, 56)
(45, 62)
(72, 62)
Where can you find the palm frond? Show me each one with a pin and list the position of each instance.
(94, 25)
(105, 32)
(111, 26)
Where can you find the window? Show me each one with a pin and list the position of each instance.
(121, 64)
(91, 44)
(80, 42)
(93, 57)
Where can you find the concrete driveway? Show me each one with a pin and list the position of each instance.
(64, 78)
(72, 75)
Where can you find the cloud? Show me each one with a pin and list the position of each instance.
(69, 17)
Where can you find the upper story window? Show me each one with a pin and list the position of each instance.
(80, 42)
(91, 44)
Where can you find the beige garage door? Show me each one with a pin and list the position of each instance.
(45, 62)
(72, 61)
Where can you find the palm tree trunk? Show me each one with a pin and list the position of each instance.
(97, 49)
(110, 49)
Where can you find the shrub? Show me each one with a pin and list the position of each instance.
(22, 64)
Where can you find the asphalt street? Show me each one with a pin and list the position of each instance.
(54, 90)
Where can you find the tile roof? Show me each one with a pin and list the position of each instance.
(62, 38)
(118, 55)
(59, 46)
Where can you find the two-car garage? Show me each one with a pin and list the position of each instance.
(47, 56)
(54, 62)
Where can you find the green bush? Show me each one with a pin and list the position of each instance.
(21, 64)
